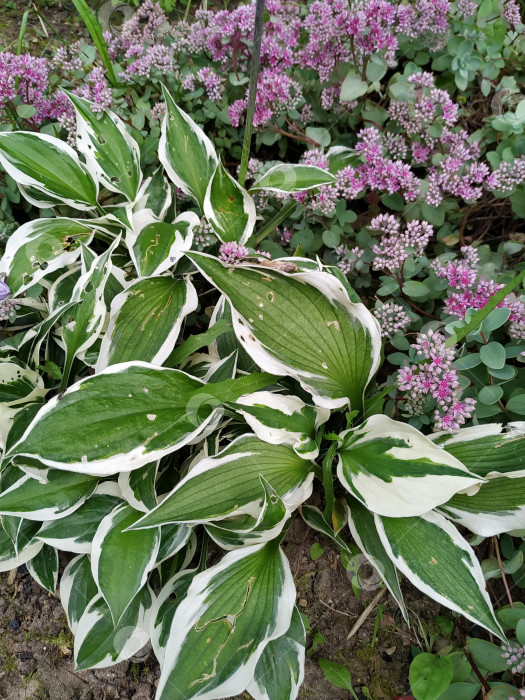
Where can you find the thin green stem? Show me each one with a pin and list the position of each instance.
(252, 93)
(277, 219)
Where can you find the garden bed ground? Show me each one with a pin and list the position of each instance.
(36, 645)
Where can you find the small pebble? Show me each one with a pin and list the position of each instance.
(302, 603)
(26, 656)
(14, 624)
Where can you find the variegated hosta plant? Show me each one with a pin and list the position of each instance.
(146, 459)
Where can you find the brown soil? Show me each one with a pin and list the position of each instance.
(36, 646)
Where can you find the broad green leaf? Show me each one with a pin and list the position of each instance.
(337, 674)
(315, 519)
(283, 420)
(63, 493)
(498, 506)
(155, 194)
(138, 487)
(437, 560)
(121, 560)
(173, 539)
(365, 535)
(486, 655)
(396, 471)
(187, 154)
(280, 670)
(18, 384)
(302, 325)
(229, 208)
(12, 556)
(145, 320)
(285, 177)
(99, 643)
(39, 248)
(43, 567)
(124, 417)
(77, 590)
(227, 342)
(460, 691)
(113, 155)
(49, 166)
(429, 676)
(155, 246)
(229, 482)
(488, 450)
(352, 87)
(84, 322)
(221, 628)
(164, 608)
(239, 531)
(75, 532)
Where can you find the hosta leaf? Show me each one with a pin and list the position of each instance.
(229, 481)
(18, 384)
(395, 470)
(283, 420)
(156, 246)
(145, 320)
(129, 414)
(120, 560)
(227, 342)
(75, 532)
(364, 533)
(173, 538)
(41, 247)
(63, 493)
(229, 208)
(28, 344)
(84, 322)
(164, 608)
(43, 567)
(315, 519)
(99, 643)
(48, 165)
(155, 194)
(488, 449)
(113, 155)
(302, 325)
(280, 670)
(187, 154)
(436, 559)
(270, 523)
(498, 506)
(138, 487)
(27, 547)
(285, 177)
(220, 629)
(77, 590)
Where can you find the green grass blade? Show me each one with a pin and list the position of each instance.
(95, 31)
(22, 33)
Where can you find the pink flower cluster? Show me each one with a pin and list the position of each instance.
(434, 381)
(27, 77)
(348, 258)
(514, 655)
(97, 90)
(231, 253)
(392, 318)
(276, 93)
(429, 121)
(475, 292)
(507, 176)
(395, 245)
